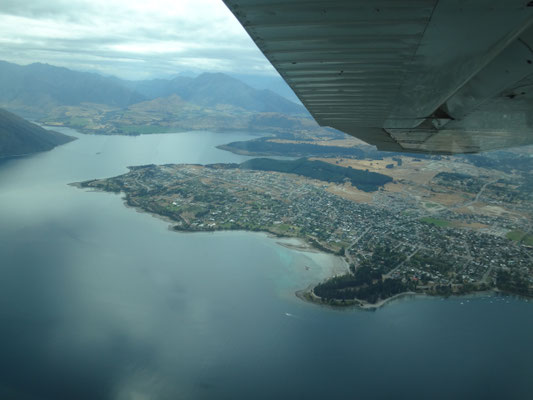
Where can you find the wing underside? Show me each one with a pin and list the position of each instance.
(435, 76)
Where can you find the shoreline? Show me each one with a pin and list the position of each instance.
(268, 132)
(309, 296)
(301, 245)
(298, 243)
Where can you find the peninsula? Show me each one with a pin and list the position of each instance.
(391, 247)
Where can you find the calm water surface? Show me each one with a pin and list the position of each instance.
(98, 301)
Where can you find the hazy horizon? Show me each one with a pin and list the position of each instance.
(190, 73)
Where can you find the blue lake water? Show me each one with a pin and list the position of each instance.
(98, 301)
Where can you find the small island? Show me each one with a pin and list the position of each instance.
(389, 253)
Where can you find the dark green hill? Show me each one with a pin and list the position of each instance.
(363, 180)
(42, 86)
(18, 136)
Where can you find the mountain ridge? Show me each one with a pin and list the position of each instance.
(46, 86)
(37, 89)
(215, 88)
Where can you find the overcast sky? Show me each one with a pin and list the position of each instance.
(132, 39)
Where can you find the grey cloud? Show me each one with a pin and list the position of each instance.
(126, 41)
(72, 10)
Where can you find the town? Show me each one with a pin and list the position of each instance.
(412, 245)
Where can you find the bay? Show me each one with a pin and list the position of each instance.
(99, 301)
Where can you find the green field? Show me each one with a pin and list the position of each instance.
(79, 122)
(516, 235)
(284, 227)
(520, 236)
(436, 221)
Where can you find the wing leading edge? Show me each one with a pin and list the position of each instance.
(432, 76)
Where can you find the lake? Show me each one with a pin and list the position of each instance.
(99, 301)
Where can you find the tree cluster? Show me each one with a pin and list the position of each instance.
(365, 284)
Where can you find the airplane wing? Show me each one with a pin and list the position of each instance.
(431, 76)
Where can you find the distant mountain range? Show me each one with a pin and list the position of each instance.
(35, 90)
(274, 83)
(212, 89)
(20, 137)
(99, 104)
